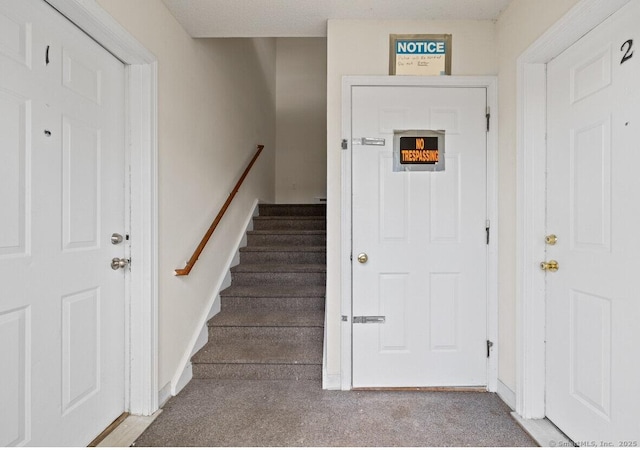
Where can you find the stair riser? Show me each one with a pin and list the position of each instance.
(272, 304)
(293, 210)
(257, 371)
(312, 335)
(268, 240)
(277, 257)
(288, 224)
(288, 278)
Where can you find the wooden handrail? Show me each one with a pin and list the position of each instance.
(216, 221)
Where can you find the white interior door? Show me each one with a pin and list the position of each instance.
(593, 300)
(62, 321)
(426, 241)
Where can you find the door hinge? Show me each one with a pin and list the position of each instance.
(488, 230)
(344, 144)
(488, 116)
(489, 345)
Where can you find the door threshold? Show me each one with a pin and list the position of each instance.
(543, 431)
(124, 431)
(107, 431)
(426, 389)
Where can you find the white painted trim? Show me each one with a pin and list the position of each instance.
(545, 433)
(185, 377)
(330, 382)
(164, 395)
(183, 374)
(345, 240)
(141, 71)
(507, 395)
(491, 84)
(531, 207)
(104, 29)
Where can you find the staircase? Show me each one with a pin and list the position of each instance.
(270, 326)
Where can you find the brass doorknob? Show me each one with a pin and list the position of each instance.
(551, 266)
(363, 258)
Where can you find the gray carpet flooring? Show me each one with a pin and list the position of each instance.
(215, 413)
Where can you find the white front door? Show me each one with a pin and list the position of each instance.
(426, 240)
(62, 307)
(593, 192)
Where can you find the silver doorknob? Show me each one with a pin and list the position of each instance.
(363, 258)
(119, 263)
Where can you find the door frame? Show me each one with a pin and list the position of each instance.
(531, 196)
(141, 208)
(491, 85)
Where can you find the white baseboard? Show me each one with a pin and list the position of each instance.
(331, 382)
(164, 395)
(187, 375)
(507, 395)
(200, 337)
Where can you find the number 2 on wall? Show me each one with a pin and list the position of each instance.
(626, 48)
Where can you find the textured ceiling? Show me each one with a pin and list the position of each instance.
(308, 18)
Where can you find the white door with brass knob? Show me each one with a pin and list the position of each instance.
(419, 241)
(593, 238)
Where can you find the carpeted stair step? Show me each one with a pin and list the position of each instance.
(231, 371)
(289, 223)
(274, 297)
(258, 359)
(268, 325)
(279, 333)
(259, 351)
(293, 210)
(268, 318)
(287, 238)
(283, 255)
(273, 303)
(293, 274)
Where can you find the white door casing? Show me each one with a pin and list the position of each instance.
(425, 237)
(593, 309)
(142, 156)
(63, 197)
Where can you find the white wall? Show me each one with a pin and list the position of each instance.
(360, 47)
(301, 119)
(517, 28)
(216, 102)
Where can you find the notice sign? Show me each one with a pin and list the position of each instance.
(419, 150)
(420, 54)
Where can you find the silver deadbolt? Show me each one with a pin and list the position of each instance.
(116, 239)
(119, 263)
